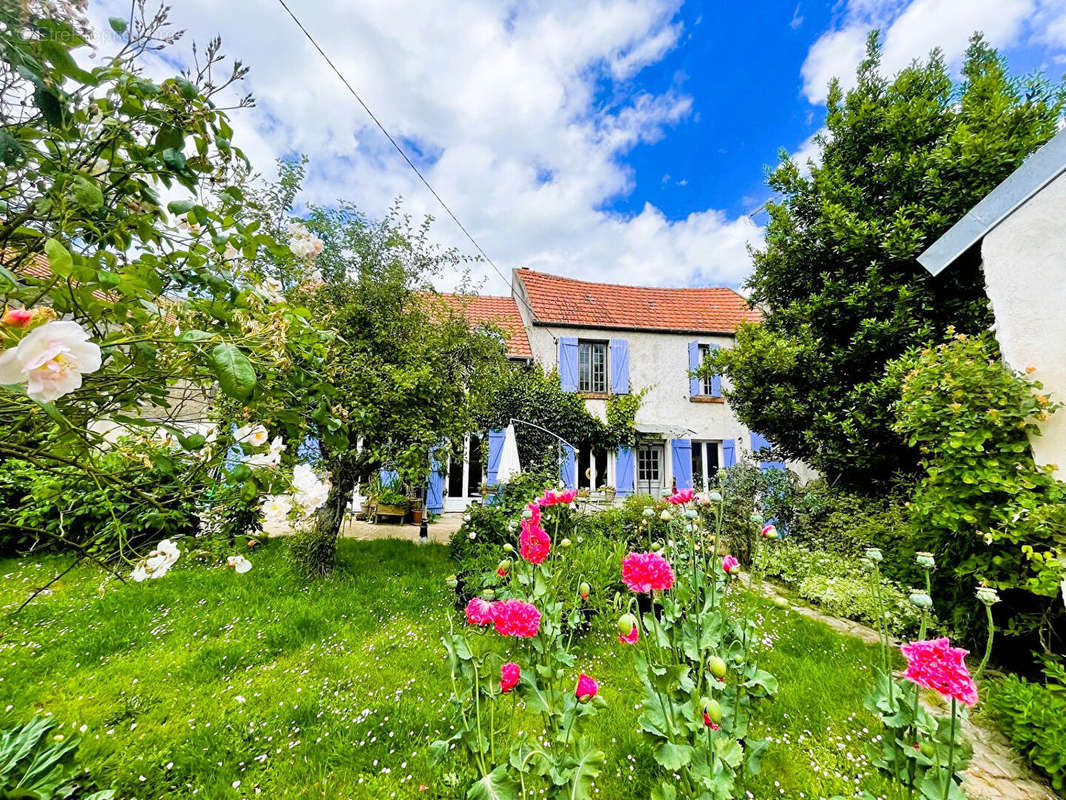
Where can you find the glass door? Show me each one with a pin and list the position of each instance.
(650, 469)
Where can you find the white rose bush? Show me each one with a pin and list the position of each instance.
(136, 334)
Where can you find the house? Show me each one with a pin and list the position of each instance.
(606, 339)
(1018, 231)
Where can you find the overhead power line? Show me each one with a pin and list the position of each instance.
(403, 154)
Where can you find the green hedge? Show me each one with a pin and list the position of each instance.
(1033, 717)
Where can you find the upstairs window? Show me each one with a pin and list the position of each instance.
(707, 381)
(592, 367)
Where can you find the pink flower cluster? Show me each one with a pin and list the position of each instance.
(533, 543)
(730, 565)
(680, 497)
(511, 617)
(644, 572)
(516, 618)
(935, 664)
(552, 497)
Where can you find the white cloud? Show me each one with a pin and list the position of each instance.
(523, 115)
(911, 29)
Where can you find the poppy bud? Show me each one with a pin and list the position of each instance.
(921, 599)
(690, 513)
(716, 666)
(488, 594)
(711, 709)
(508, 548)
(716, 497)
(452, 581)
(565, 543)
(584, 590)
(626, 624)
(656, 547)
(17, 317)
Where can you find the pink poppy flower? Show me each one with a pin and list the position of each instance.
(17, 317)
(633, 636)
(534, 511)
(643, 572)
(515, 618)
(709, 722)
(730, 565)
(936, 665)
(509, 675)
(534, 544)
(586, 688)
(769, 531)
(478, 612)
(681, 497)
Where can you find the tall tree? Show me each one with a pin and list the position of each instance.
(900, 161)
(409, 376)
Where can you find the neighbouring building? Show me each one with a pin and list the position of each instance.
(1018, 232)
(605, 339)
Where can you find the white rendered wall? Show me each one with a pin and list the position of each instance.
(1024, 261)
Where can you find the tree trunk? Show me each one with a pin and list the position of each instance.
(315, 550)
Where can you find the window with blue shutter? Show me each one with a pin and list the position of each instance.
(760, 443)
(729, 453)
(693, 364)
(681, 458)
(620, 366)
(495, 451)
(568, 363)
(387, 476)
(624, 474)
(568, 467)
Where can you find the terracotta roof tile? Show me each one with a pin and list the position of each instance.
(565, 301)
(501, 311)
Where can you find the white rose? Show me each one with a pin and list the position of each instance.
(255, 436)
(50, 360)
(238, 564)
(276, 508)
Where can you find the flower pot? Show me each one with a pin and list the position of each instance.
(416, 516)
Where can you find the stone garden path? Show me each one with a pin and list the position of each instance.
(996, 772)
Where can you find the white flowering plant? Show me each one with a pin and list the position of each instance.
(132, 301)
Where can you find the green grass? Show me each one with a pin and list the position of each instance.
(333, 689)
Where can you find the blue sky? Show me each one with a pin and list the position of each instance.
(616, 140)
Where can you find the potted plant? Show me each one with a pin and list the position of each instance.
(387, 499)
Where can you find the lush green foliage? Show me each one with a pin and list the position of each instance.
(65, 508)
(166, 295)
(531, 395)
(35, 763)
(839, 584)
(984, 507)
(1033, 716)
(901, 160)
(751, 495)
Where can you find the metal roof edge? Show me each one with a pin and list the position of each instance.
(1036, 172)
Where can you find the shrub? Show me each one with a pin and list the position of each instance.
(34, 764)
(838, 585)
(750, 490)
(847, 523)
(1033, 717)
(984, 506)
(69, 508)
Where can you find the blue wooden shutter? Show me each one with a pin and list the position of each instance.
(729, 452)
(387, 476)
(624, 474)
(568, 467)
(693, 363)
(435, 487)
(758, 443)
(495, 451)
(620, 366)
(568, 363)
(716, 380)
(681, 451)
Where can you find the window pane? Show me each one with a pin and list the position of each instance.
(697, 465)
(583, 469)
(599, 367)
(476, 476)
(600, 458)
(455, 476)
(584, 367)
(706, 380)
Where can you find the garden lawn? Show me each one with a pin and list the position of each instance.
(211, 684)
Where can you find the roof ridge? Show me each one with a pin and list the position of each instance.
(632, 286)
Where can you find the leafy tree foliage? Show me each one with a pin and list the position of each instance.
(409, 376)
(984, 506)
(164, 290)
(900, 161)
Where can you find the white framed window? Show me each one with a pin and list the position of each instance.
(592, 366)
(706, 381)
(705, 462)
